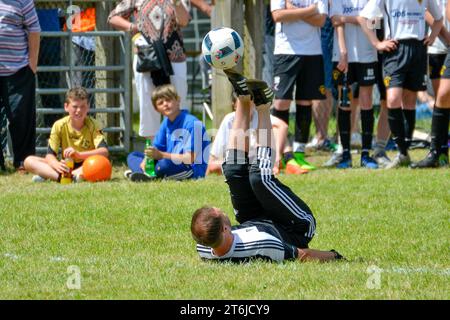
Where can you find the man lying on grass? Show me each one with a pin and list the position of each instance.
(275, 224)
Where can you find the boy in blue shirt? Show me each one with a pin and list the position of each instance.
(181, 146)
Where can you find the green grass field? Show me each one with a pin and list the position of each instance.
(132, 241)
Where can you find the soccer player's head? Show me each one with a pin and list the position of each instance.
(77, 103)
(208, 226)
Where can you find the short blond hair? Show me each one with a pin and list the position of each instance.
(77, 93)
(166, 91)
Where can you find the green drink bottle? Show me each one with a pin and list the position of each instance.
(149, 163)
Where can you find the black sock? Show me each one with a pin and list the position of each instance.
(410, 124)
(303, 118)
(439, 130)
(288, 156)
(281, 114)
(367, 130)
(344, 129)
(397, 126)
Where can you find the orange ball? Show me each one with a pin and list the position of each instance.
(97, 168)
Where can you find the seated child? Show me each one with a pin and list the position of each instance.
(78, 136)
(180, 148)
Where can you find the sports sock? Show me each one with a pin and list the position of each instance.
(367, 130)
(410, 124)
(288, 156)
(344, 130)
(439, 130)
(281, 114)
(303, 118)
(397, 126)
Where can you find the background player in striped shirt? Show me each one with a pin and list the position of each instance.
(275, 223)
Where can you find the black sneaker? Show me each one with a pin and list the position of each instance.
(430, 161)
(140, 177)
(261, 92)
(338, 256)
(238, 81)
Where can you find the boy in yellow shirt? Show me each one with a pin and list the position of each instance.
(78, 136)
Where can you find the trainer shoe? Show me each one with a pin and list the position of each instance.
(127, 174)
(292, 167)
(141, 177)
(368, 162)
(37, 178)
(338, 256)
(336, 157)
(260, 91)
(345, 163)
(430, 161)
(400, 160)
(300, 159)
(238, 81)
(381, 158)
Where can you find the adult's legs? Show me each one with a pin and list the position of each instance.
(149, 118)
(18, 95)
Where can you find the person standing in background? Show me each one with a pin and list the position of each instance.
(175, 16)
(19, 51)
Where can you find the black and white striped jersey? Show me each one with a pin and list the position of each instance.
(254, 239)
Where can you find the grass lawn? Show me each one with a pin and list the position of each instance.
(132, 241)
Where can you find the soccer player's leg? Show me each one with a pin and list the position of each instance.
(438, 155)
(394, 80)
(285, 76)
(310, 86)
(366, 79)
(236, 165)
(280, 204)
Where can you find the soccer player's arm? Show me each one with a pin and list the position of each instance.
(336, 12)
(444, 34)
(288, 13)
(368, 14)
(437, 24)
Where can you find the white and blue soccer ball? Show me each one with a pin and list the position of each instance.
(222, 48)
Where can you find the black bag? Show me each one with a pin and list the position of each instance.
(153, 56)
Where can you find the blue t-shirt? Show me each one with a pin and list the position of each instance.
(185, 134)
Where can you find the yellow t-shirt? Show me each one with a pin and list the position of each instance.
(63, 136)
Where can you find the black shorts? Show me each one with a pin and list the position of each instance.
(435, 64)
(305, 73)
(406, 67)
(362, 73)
(379, 82)
(257, 194)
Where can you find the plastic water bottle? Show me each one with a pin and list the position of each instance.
(345, 91)
(149, 163)
(67, 177)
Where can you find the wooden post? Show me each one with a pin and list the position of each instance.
(225, 14)
(254, 38)
(105, 54)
